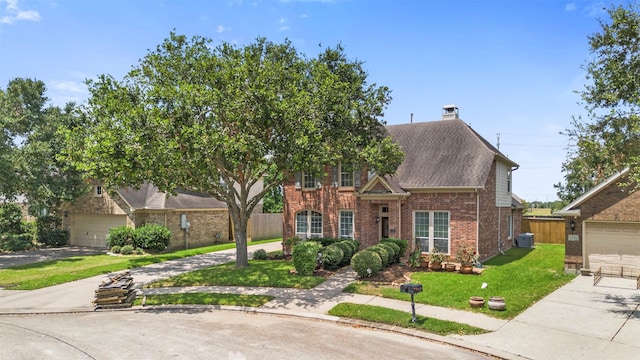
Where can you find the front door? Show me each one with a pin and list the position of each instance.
(384, 227)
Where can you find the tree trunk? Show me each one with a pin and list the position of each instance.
(240, 235)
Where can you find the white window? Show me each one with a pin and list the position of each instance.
(308, 181)
(346, 224)
(346, 175)
(308, 224)
(98, 191)
(431, 230)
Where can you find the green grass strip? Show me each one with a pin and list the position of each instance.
(260, 273)
(206, 299)
(399, 318)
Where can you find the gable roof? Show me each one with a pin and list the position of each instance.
(443, 154)
(573, 208)
(149, 197)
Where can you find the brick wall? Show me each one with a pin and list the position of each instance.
(462, 206)
(613, 203)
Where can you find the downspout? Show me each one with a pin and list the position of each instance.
(477, 220)
(399, 235)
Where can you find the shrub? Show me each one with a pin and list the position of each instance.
(332, 256)
(139, 251)
(384, 254)
(126, 250)
(116, 249)
(275, 255)
(394, 251)
(347, 251)
(260, 254)
(305, 257)
(121, 236)
(153, 237)
(29, 227)
(366, 263)
(355, 245)
(54, 237)
(11, 242)
(403, 244)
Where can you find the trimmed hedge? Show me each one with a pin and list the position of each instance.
(121, 236)
(366, 263)
(384, 254)
(305, 257)
(153, 237)
(54, 237)
(332, 256)
(403, 244)
(347, 251)
(394, 251)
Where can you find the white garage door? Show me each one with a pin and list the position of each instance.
(612, 244)
(92, 230)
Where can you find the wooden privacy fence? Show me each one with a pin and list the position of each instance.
(546, 230)
(266, 226)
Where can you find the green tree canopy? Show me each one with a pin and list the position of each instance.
(609, 140)
(30, 143)
(216, 119)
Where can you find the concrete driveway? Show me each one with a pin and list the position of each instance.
(577, 321)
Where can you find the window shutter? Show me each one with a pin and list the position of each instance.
(356, 177)
(334, 176)
(298, 179)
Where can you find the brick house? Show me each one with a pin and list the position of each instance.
(453, 189)
(603, 226)
(89, 218)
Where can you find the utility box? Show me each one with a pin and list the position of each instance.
(525, 240)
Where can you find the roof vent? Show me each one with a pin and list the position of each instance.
(450, 112)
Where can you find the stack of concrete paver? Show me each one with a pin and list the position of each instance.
(115, 293)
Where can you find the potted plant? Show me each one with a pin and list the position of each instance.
(467, 257)
(436, 257)
(414, 258)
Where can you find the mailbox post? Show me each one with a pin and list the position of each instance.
(411, 289)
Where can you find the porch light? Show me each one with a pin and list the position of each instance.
(377, 219)
(572, 225)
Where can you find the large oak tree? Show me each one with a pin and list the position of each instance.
(214, 120)
(608, 139)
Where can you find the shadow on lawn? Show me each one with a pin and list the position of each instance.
(513, 254)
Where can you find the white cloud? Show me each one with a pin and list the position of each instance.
(13, 13)
(283, 28)
(304, 16)
(222, 29)
(68, 86)
(570, 7)
(282, 20)
(596, 9)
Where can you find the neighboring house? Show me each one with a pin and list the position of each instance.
(603, 226)
(89, 218)
(453, 189)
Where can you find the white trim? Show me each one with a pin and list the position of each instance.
(569, 209)
(431, 237)
(353, 222)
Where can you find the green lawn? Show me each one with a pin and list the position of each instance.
(48, 273)
(400, 318)
(522, 276)
(260, 273)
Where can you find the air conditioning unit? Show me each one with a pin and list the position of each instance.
(525, 240)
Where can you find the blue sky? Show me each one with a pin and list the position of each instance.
(512, 67)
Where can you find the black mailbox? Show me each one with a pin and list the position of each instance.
(411, 288)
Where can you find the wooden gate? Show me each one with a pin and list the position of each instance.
(546, 230)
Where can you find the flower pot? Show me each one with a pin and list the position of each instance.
(476, 302)
(497, 303)
(450, 267)
(466, 269)
(435, 266)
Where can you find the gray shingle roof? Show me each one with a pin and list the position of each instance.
(443, 154)
(149, 197)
